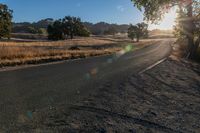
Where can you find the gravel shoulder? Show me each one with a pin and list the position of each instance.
(164, 99)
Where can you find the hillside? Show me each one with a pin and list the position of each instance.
(96, 29)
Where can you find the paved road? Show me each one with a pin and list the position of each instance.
(24, 91)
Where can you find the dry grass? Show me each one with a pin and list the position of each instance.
(19, 53)
(80, 41)
(19, 56)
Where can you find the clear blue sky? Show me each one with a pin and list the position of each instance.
(111, 11)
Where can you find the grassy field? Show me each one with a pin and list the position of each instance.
(14, 53)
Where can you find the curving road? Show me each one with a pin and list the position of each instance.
(26, 90)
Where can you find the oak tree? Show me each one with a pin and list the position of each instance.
(138, 31)
(5, 21)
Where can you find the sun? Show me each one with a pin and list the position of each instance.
(168, 21)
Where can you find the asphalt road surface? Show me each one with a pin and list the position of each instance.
(26, 90)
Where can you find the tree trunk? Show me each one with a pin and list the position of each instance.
(72, 36)
(138, 38)
(189, 28)
(195, 49)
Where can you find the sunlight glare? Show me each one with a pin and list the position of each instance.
(168, 21)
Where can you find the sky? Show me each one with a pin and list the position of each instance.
(110, 11)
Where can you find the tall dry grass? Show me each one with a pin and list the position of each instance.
(79, 41)
(18, 53)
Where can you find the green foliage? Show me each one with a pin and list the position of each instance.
(67, 27)
(83, 32)
(71, 26)
(42, 31)
(154, 9)
(5, 21)
(142, 30)
(55, 31)
(179, 27)
(197, 18)
(132, 31)
(137, 31)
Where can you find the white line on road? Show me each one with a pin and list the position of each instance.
(152, 66)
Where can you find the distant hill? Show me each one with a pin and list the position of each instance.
(96, 29)
(26, 27)
(100, 28)
(40, 24)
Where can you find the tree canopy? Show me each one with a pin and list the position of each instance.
(68, 27)
(5, 21)
(154, 10)
(137, 31)
(55, 31)
(132, 31)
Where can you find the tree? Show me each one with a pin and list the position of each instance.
(142, 31)
(154, 11)
(67, 27)
(71, 26)
(55, 31)
(180, 24)
(137, 31)
(182, 27)
(83, 31)
(132, 31)
(5, 21)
